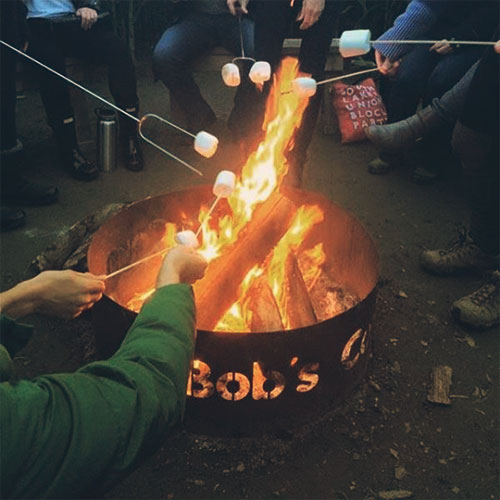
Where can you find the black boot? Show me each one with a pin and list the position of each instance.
(404, 133)
(73, 159)
(129, 140)
(15, 189)
(11, 218)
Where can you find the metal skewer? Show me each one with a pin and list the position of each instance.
(115, 107)
(432, 42)
(341, 77)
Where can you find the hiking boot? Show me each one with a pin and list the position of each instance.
(463, 255)
(480, 309)
(403, 134)
(11, 218)
(72, 158)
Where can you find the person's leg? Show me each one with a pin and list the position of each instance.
(243, 120)
(101, 45)
(47, 46)
(312, 58)
(479, 248)
(173, 56)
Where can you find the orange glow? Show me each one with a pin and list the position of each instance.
(260, 177)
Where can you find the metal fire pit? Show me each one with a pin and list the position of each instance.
(243, 382)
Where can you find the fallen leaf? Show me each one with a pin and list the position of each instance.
(399, 472)
(402, 294)
(394, 453)
(455, 490)
(470, 341)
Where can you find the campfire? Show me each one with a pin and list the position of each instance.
(284, 309)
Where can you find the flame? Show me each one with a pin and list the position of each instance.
(260, 177)
(264, 168)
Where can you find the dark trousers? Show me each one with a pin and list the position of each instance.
(192, 37)
(479, 156)
(274, 20)
(51, 42)
(8, 132)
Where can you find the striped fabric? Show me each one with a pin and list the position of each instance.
(413, 24)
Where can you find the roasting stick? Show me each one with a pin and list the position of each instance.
(432, 42)
(224, 185)
(341, 77)
(110, 104)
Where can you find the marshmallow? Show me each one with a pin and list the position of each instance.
(187, 238)
(206, 144)
(260, 72)
(224, 184)
(231, 75)
(355, 43)
(304, 86)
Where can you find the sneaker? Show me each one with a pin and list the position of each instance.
(480, 309)
(79, 167)
(463, 255)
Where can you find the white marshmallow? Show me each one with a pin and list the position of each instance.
(304, 86)
(260, 72)
(224, 183)
(187, 238)
(206, 144)
(355, 43)
(231, 75)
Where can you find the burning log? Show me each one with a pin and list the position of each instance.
(329, 298)
(298, 306)
(217, 291)
(265, 313)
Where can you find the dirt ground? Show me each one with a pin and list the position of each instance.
(383, 440)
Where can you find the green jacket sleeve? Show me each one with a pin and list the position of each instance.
(65, 433)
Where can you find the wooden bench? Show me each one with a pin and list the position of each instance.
(291, 46)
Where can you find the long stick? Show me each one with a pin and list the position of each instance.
(432, 42)
(114, 106)
(209, 213)
(341, 77)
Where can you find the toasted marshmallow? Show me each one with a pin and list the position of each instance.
(260, 72)
(224, 184)
(187, 238)
(231, 75)
(355, 43)
(304, 86)
(206, 144)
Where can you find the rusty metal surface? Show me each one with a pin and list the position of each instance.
(242, 380)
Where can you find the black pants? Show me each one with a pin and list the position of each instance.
(479, 156)
(274, 20)
(51, 42)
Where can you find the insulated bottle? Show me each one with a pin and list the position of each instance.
(106, 139)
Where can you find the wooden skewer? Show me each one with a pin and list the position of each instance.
(341, 77)
(432, 42)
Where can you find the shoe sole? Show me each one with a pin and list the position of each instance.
(455, 313)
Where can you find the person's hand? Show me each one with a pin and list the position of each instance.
(442, 47)
(496, 47)
(88, 16)
(237, 7)
(182, 264)
(310, 13)
(385, 65)
(65, 294)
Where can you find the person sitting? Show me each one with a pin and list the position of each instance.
(415, 72)
(60, 28)
(200, 26)
(15, 189)
(315, 22)
(66, 435)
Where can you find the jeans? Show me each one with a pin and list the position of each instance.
(273, 20)
(424, 75)
(181, 44)
(51, 42)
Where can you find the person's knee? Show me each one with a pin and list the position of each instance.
(165, 63)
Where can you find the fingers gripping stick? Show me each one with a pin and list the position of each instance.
(223, 187)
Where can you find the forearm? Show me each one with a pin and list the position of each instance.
(21, 300)
(413, 24)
